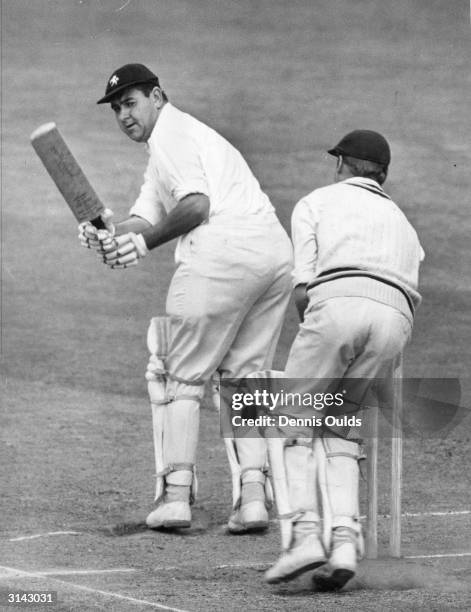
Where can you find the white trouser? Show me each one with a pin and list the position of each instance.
(228, 298)
(351, 337)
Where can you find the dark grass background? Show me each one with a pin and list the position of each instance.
(283, 81)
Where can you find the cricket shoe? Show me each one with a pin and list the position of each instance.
(249, 517)
(170, 515)
(306, 554)
(343, 558)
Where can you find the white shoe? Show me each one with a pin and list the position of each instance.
(170, 515)
(344, 556)
(252, 516)
(302, 557)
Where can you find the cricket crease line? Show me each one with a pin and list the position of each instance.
(242, 565)
(363, 517)
(79, 572)
(439, 556)
(444, 513)
(43, 535)
(24, 574)
(169, 568)
(60, 572)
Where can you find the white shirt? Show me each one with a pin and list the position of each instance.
(187, 156)
(354, 224)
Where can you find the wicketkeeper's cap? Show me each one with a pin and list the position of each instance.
(364, 144)
(126, 76)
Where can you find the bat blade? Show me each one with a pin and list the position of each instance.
(69, 178)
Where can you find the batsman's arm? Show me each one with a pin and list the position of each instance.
(132, 224)
(136, 236)
(190, 212)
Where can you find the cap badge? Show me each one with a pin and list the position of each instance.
(114, 80)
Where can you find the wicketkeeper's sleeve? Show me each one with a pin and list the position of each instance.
(303, 232)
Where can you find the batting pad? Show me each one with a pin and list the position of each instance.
(246, 455)
(158, 338)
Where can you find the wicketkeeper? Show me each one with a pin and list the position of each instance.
(356, 275)
(226, 300)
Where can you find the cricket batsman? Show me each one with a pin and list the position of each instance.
(226, 300)
(356, 276)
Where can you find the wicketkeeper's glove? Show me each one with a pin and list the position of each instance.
(124, 251)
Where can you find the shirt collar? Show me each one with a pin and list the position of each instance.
(361, 180)
(164, 117)
(368, 184)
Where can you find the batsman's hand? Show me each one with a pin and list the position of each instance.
(125, 251)
(92, 238)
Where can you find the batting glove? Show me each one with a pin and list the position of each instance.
(125, 251)
(92, 238)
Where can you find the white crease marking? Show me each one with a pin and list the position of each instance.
(444, 513)
(163, 568)
(424, 514)
(71, 572)
(124, 5)
(43, 535)
(20, 573)
(439, 556)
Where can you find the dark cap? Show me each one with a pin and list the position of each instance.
(364, 144)
(126, 76)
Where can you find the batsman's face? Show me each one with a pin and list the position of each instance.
(137, 113)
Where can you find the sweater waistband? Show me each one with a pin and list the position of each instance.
(342, 272)
(361, 285)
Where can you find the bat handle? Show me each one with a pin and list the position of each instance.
(98, 223)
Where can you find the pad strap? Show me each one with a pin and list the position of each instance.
(291, 516)
(182, 477)
(253, 474)
(175, 467)
(356, 457)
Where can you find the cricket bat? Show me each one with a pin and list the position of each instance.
(67, 174)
